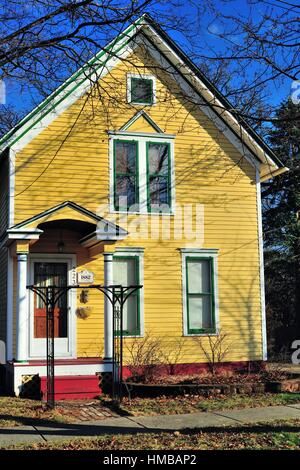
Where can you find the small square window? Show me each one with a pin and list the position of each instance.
(141, 91)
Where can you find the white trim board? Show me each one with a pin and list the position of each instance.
(9, 307)
(11, 187)
(261, 270)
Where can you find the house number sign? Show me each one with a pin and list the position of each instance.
(85, 277)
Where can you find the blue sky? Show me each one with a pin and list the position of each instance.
(204, 38)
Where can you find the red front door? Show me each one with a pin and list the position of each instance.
(47, 274)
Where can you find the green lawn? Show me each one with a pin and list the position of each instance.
(192, 404)
(282, 435)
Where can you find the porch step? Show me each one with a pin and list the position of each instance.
(72, 387)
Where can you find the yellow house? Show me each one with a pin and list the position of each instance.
(134, 171)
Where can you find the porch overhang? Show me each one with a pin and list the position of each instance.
(94, 229)
(101, 236)
(11, 235)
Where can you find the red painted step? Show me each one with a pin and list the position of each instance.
(72, 387)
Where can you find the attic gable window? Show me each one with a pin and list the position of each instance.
(141, 89)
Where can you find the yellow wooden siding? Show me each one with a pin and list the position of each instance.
(69, 161)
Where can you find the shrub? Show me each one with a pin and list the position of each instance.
(145, 354)
(215, 348)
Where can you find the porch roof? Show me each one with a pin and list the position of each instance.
(68, 213)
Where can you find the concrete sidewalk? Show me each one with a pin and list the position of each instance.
(131, 425)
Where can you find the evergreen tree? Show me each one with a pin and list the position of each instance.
(281, 220)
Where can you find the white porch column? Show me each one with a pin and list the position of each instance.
(108, 310)
(22, 326)
(9, 308)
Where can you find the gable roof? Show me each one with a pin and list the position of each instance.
(47, 215)
(212, 102)
(29, 228)
(141, 115)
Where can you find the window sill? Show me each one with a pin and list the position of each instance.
(140, 104)
(133, 336)
(204, 333)
(172, 213)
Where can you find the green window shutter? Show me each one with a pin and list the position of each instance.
(158, 177)
(200, 296)
(126, 180)
(126, 273)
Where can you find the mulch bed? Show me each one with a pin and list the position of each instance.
(208, 384)
(217, 379)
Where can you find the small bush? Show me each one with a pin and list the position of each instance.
(145, 354)
(215, 348)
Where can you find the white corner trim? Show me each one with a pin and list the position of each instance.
(9, 307)
(139, 252)
(199, 253)
(143, 76)
(261, 269)
(11, 186)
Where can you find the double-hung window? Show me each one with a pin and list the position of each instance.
(143, 175)
(200, 293)
(126, 272)
(158, 176)
(126, 193)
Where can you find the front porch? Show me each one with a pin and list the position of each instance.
(53, 248)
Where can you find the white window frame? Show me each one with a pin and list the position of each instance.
(141, 76)
(139, 253)
(200, 253)
(142, 140)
